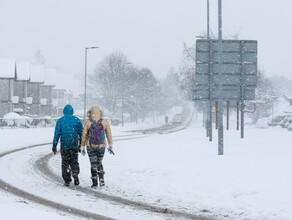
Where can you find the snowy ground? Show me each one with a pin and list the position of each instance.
(181, 170)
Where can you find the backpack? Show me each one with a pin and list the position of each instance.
(96, 133)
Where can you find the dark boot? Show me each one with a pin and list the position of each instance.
(94, 182)
(101, 178)
(76, 181)
(101, 182)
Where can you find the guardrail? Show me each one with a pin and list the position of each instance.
(27, 123)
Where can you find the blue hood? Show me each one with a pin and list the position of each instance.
(69, 129)
(68, 110)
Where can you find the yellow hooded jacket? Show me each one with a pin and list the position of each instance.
(95, 114)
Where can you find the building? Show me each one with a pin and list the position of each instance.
(288, 108)
(59, 101)
(20, 87)
(7, 76)
(62, 93)
(47, 91)
(34, 89)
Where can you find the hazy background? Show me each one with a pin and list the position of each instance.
(149, 32)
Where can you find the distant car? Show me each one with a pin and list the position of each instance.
(177, 118)
(286, 122)
(262, 123)
(276, 121)
(115, 121)
(289, 128)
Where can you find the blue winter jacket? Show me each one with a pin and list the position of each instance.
(69, 128)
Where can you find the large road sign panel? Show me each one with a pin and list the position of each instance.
(226, 94)
(226, 79)
(239, 68)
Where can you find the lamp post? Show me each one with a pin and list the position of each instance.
(123, 93)
(85, 81)
(210, 77)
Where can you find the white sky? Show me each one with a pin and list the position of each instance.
(149, 32)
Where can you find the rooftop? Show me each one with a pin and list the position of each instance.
(22, 70)
(7, 68)
(37, 73)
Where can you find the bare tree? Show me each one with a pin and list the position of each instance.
(108, 79)
(120, 85)
(149, 92)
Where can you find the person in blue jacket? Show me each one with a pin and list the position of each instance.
(69, 129)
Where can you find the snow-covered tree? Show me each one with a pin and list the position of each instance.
(39, 58)
(149, 92)
(123, 87)
(171, 89)
(109, 79)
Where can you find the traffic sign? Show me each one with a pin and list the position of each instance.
(238, 76)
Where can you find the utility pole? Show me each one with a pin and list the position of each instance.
(220, 113)
(85, 81)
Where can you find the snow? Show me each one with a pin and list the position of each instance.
(37, 73)
(20, 209)
(180, 170)
(7, 68)
(50, 76)
(70, 84)
(22, 70)
(14, 119)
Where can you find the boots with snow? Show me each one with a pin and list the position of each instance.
(101, 182)
(101, 178)
(76, 181)
(94, 183)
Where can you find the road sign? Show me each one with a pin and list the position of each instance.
(227, 93)
(239, 70)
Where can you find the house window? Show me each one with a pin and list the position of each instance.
(61, 95)
(55, 95)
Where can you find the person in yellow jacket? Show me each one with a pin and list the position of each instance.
(95, 146)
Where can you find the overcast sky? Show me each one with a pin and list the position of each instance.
(149, 32)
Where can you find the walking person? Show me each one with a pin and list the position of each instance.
(95, 132)
(69, 129)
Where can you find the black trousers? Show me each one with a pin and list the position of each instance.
(95, 155)
(70, 165)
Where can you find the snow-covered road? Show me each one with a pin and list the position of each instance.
(181, 171)
(21, 166)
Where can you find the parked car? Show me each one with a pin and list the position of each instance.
(289, 127)
(262, 123)
(286, 122)
(276, 121)
(115, 121)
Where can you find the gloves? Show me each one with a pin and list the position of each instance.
(54, 149)
(83, 150)
(79, 145)
(110, 149)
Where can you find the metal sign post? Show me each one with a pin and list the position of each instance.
(210, 127)
(220, 113)
(232, 76)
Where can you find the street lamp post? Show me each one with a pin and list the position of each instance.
(123, 94)
(85, 81)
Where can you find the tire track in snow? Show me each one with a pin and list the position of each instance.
(42, 165)
(42, 201)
